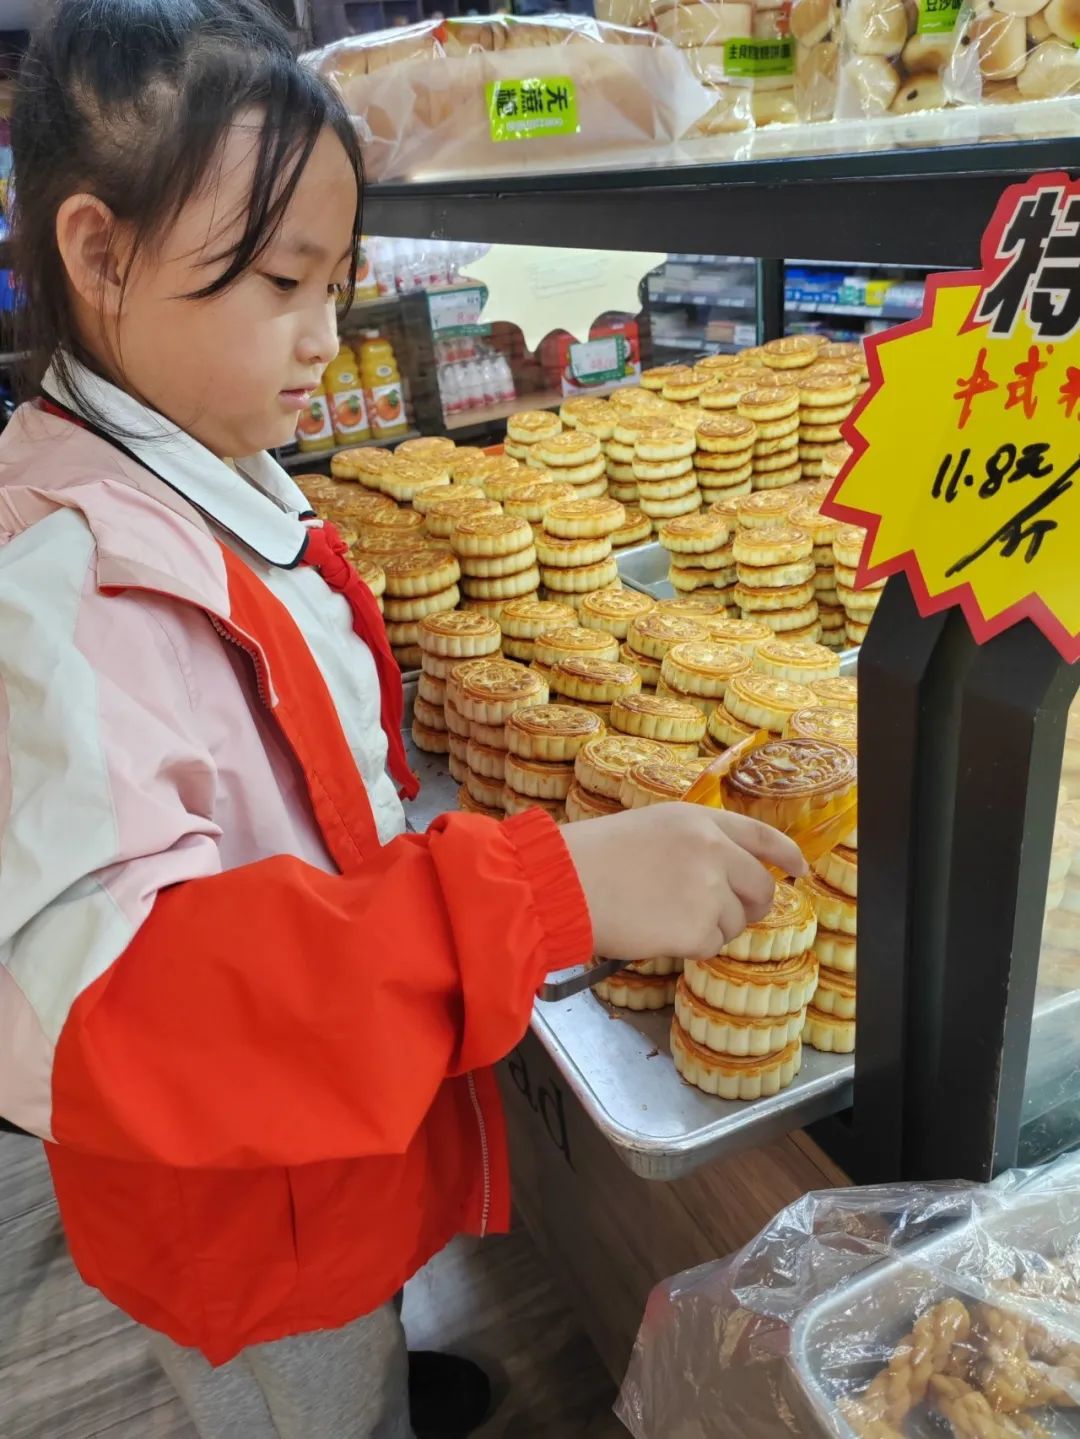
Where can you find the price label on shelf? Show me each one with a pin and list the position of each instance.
(532, 109)
(966, 469)
(599, 362)
(453, 311)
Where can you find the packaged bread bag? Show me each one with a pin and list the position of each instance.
(495, 95)
(815, 28)
(742, 50)
(901, 57)
(1026, 49)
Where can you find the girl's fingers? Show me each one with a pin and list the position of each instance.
(762, 841)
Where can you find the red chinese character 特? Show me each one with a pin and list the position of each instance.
(977, 383)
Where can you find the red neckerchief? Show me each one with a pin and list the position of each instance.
(326, 552)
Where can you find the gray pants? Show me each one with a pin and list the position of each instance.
(349, 1383)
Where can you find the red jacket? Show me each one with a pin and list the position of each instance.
(267, 1102)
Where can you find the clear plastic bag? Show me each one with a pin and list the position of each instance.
(902, 1312)
(902, 57)
(1025, 50)
(494, 95)
(743, 50)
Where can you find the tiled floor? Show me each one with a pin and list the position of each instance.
(72, 1367)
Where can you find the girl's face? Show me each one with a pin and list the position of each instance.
(234, 370)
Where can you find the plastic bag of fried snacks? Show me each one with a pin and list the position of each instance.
(444, 98)
(885, 1313)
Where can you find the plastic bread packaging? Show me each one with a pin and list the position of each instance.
(489, 95)
(900, 1310)
(903, 57)
(743, 50)
(1024, 50)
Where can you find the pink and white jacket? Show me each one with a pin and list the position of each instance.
(249, 1016)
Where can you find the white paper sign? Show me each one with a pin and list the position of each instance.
(541, 289)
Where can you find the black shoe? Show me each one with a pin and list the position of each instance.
(449, 1397)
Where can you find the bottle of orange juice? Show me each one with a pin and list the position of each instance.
(366, 286)
(381, 379)
(348, 412)
(315, 428)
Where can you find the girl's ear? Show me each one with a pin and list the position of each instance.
(88, 237)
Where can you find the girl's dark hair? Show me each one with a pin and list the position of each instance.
(130, 100)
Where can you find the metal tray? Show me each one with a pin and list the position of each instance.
(645, 568)
(828, 1349)
(618, 1064)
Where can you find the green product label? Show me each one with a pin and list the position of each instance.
(938, 17)
(532, 109)
(746, 59)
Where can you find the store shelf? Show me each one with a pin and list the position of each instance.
(865, 312)
(907, 206)
(298, 459)
(700, 297)
(695, 343)
(494, 414)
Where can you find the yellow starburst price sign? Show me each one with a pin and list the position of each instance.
(966, 463)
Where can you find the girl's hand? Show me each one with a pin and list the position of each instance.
(676, 879)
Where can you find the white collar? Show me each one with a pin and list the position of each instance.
(257, 503)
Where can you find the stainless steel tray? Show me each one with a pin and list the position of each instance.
(829, 1358)
(645, 568)
(618, 1064)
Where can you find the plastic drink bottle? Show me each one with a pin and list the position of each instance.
(315, 428)
(348, 409)
(381, 381)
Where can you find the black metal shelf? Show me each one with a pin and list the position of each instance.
(925, 207)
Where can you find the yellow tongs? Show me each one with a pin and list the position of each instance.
(813, 840)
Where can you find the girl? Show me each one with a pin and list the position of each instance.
(251, 1018)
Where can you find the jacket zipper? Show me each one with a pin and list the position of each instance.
(485, 1155)
(252, 654)
(485, 1213)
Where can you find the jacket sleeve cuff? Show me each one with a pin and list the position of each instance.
(560, 901)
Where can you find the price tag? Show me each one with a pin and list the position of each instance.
(456, 310)
(532, 109)
(966, 469)
(596, 362)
